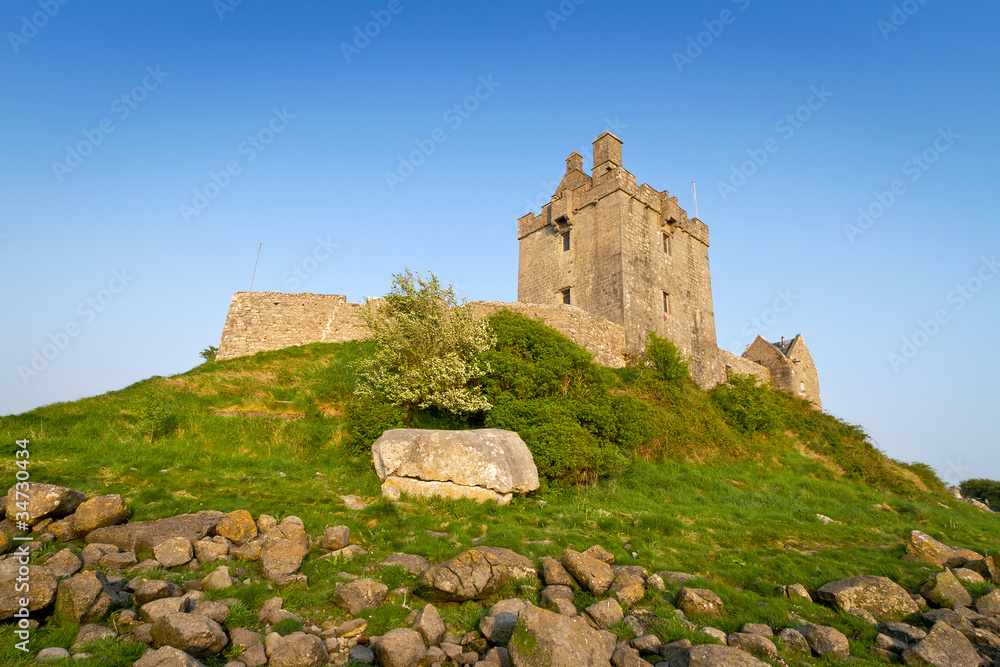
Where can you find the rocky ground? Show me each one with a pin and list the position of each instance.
(579, 609)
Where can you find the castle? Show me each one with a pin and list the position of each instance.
(605, 262)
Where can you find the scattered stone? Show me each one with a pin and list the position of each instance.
(627, 588)
(471, 575)
(545, 638)
(605, 613)
(655, 582)
(363, 655)
(826, 641)
(49, 655)
(281, 559)
(715, 633)
(757, 629)
(63, 564)
(198, 636)
(713, 655)
(248, 551)
(146, 535)
(91, 632)
(989, 604)
(299, 650)
(401, 647)
(517, 565)
(207, 551)
(217, 611)
(217, 580)
(415, 565)
(173, 551)
(64, 530)
(969, 576)
(359, 595)
(93, 553)
(154, 590)
(429, 624)
(119, 561)
(699, 601)
(554, 574)
(757, 645)
(679, 577)
(923, 548)
(597, 552)
(594, 575)
(100, 511)
(881, 597)
(626, 656)
(794, 640)
(85, 598)
(43, 501)
(168, 656)
(903, 632)
(336, 537)
(891, 644)
(943, 647)
(944, 590)
(154, 610)
(238, 527)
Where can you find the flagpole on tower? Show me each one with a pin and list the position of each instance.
(694, 188)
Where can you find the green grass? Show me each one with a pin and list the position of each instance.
(694, 495)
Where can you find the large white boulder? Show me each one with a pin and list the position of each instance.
(484, 464)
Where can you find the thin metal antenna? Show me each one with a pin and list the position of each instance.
(694, 188)
(255, 267)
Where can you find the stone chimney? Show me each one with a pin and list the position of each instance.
(607, 148)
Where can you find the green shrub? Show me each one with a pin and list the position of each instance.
(367, 418)
(987, 490)
(287, 626)
(671, 366)
(747, 406)
(153, 420)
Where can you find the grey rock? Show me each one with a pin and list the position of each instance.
(489, 458)
(217, 611)
(429, 624)
(237, 527)
(119, 561)
(711, 655)
(471, 575)
(174, 551)
(49, 655)
(217, 580)
(903, 632)
(146, 535)
(594, 575)
(99, 512)
(626, 656)
(198, 636)
(336, 537)
(944, 590)
(168, 656)
(63, 564)
(989, 604)
(554, 574)
(923, 548)
(154, 589)
(499, 623)
(153, 610)
(891, 644)
(43, 588)
(415, 565)
(757, 645)
(43, 501)
(360, 594)
(949, 616)
(757, 629)
(363, 655)
(880, 596)
(86, 597)
(93, 553)
(597, 552)
(715, 633)
(679, 577)
(207, 551)
(826, 641)
(299, 650)
(545, 638)
(91, 632)
(627, 588)
(944, 646)
(794, 640)
(605, 613)
(401, 647)
(517, 565)
(699, 601)
(987, 643)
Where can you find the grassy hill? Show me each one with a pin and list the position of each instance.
(687, 485)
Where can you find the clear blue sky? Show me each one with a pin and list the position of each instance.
(117, 114)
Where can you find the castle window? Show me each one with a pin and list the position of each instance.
(565, 240)
(666, 303)
(667, 245)
(802, 386)
(565, 296)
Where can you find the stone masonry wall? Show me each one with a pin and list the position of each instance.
(261, 321)
(731, 364)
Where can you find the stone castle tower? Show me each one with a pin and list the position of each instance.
(630, 254)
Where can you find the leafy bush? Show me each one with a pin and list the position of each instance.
(427, 344)
(747, 406)
(987, 490)
(572, 413)
(208, 354)
(153, 420)
(367, 418)
(671, 366)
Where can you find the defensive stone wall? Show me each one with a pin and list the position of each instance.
(733, 365)
(259, 321)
